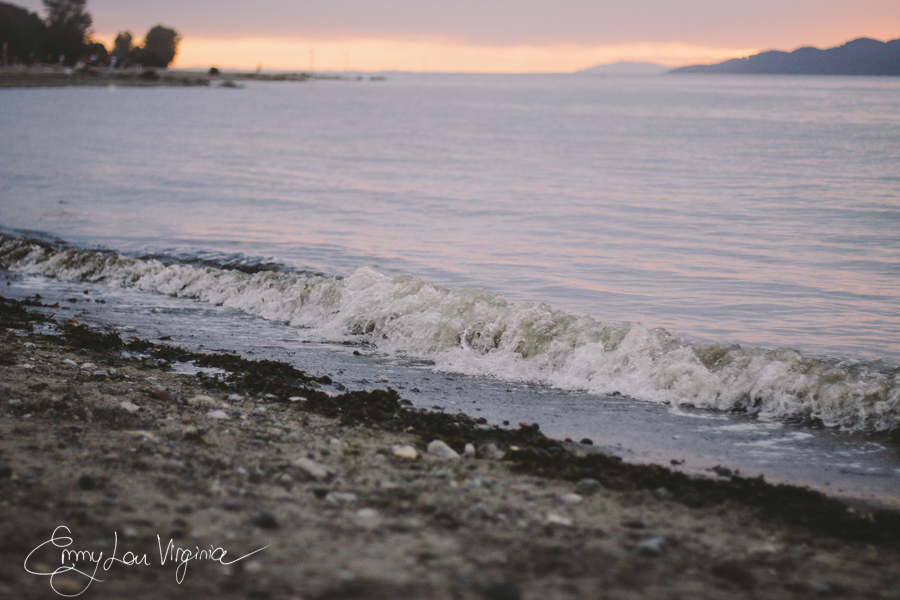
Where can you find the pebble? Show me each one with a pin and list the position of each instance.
(469, 451)
(555, 519)
(100, 374)
(87, 483)
(442, 450)
(570, 498)
(29, 346)
(502, 591)
(368, 517)
(217, 414)
(88, 367)
(312, 469)
(265, 520)
(340, 497)
(235, 398)
(26, 366)
(5, 470)
(735, 572)
(70, 363)
(129, 406)
(651, 546)
(405, 451)
(588, 486)
(202, 401)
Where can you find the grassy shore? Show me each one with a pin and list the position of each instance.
(347, 495)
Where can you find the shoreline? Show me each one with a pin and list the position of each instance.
(131, 456)
(55, 76)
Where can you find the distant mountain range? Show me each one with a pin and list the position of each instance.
(859, 57)
(626, 68)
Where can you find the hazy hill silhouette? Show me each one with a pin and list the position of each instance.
(860, 57)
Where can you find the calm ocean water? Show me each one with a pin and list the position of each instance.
(725, 243)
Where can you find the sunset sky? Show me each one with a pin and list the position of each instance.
(487, 35)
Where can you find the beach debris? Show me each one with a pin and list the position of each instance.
(588, 486)
(651, 546)
(442, 450)
(312, 469)
(405, 451)
(555, 519)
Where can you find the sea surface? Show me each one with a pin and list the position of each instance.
(665, 264)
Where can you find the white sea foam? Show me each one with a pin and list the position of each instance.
(478, 332)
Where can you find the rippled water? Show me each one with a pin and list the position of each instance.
(757, 210)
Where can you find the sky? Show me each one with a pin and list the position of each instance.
(511, 36)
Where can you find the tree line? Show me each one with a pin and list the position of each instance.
(63, 36)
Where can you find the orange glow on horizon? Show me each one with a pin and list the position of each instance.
(427, 55)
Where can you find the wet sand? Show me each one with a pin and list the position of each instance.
(337, 494)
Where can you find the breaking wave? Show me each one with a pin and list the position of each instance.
(480, 333)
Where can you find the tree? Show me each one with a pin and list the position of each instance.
(22, 31)
(68, 25)
(160, 47)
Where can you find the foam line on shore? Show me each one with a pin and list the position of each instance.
(478, 332)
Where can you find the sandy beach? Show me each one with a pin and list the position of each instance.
(246, 480)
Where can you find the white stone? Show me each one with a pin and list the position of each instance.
(651, 546)
(313, 469)
(70, 363)
(570, 498)
(491, 452)
(555, 519)
(469, 451)
(217, 414)
(129, 406)
(202, 400)
(442, 450)
(368, 517)
(340, 497)
(88, 366)
(405, 451)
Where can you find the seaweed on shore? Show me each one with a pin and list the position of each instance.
(527, 449)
